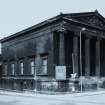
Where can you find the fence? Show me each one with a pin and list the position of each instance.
(71, 84)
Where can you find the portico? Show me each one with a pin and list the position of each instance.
(69, 49)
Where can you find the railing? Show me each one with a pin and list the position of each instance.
(70, 85)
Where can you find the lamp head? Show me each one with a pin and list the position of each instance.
(83, 29)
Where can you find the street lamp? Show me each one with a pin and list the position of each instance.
(82, 29)
(35, 77)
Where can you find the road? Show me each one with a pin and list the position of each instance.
(67, 99)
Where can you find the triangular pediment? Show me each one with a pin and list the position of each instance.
(93, 19)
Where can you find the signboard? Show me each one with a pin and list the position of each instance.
(61, 72)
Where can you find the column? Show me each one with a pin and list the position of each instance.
(51, 56)
(87, 56)
(97, 57)
(61, 48)
(75, 54)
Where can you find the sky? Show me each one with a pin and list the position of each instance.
(16, 15)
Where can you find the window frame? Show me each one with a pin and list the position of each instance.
(5, 71)
(32, 72)
(21, 67)
(12, 68)
(45, 70)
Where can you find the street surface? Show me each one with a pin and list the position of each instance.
(90, 98)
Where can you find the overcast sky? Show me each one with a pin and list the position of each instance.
(16, 15)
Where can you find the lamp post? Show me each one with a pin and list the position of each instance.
(82, 29)
(35, 77)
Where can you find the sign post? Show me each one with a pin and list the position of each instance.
(61, 72)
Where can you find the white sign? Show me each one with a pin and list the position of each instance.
(61, 72)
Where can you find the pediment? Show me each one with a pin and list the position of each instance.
(92, 19)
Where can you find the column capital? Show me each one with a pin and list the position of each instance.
(62, 29)
(76, 33)
(88, 36)
(98, 38)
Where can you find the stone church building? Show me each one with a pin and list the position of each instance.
(45, 56)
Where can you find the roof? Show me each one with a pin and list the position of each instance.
(51, 20)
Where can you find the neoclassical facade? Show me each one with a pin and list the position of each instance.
(74, 41)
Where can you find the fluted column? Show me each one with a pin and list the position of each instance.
(87, 56)
(75, 53)
(61, 47)
(98, 57)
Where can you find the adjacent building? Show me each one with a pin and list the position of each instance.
(45, 56)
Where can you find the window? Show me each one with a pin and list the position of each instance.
(5, 69)
(44, 65)
(13, 68)
(21, 68)
(32, 64)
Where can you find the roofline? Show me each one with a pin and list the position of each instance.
(41, 24)
(86, 14)
(53, 19)
(75, 21)
(80, 14)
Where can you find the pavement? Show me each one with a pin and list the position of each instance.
(26, 98)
